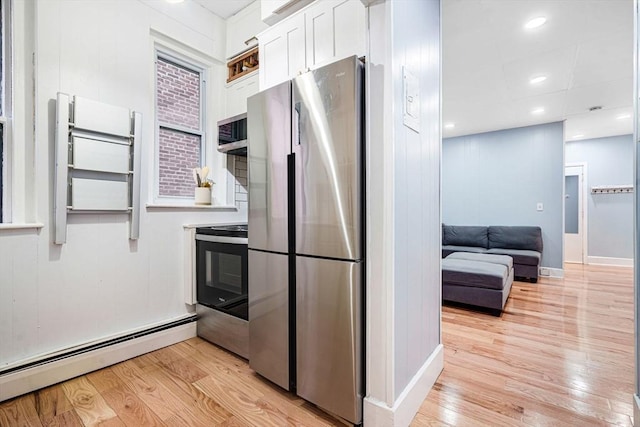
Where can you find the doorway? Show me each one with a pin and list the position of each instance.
(575, 214)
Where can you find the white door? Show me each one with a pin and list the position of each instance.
(574, 215)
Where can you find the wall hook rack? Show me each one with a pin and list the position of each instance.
(612, 189)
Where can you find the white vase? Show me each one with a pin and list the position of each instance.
(203, 196)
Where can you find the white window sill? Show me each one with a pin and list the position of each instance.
(178, 206)
(21, 226)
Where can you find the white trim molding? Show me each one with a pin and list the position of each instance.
(604, 260)
(27, 380)
(554, 273)
(378, 414)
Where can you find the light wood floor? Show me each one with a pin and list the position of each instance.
(561, 354)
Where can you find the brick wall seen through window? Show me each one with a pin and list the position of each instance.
(180, 133)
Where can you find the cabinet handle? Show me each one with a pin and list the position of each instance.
(250, 40)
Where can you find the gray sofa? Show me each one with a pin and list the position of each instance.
(522, 243)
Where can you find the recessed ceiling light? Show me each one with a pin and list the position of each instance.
(535, 23)
(450, 125)
(537, 111)
(578, 136)
(624, 116)
(538, 79)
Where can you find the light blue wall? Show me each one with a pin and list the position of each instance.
(610, 216)
(498, 178)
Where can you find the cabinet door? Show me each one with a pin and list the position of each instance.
(282, 51)
(335, 29)
(237, 94)
(241, 27)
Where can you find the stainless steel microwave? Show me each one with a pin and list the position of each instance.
(232, 135)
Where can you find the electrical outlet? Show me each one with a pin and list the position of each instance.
(539, 207)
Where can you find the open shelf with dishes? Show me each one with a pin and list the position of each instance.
(243, 64)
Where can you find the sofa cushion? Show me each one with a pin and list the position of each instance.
(505, 260)
(474, 273)
(519, 256)
(465, 235)
(453, 248)
(515, 237)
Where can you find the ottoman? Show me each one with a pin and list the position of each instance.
(481, 280)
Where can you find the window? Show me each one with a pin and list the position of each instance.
(5, 110)
(180, 125)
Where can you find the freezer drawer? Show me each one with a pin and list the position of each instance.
(269, 316)
(328, 336)
(269, 143)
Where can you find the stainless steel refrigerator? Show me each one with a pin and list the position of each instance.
(306, 236)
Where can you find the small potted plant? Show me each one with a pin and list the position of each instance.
(203, 186)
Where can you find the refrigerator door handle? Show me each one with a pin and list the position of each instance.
(296, 124)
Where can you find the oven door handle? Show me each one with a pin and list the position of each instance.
(222, 239)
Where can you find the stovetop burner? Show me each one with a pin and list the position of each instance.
(237, 230)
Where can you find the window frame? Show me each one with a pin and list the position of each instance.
(192, 65)
(6, 101)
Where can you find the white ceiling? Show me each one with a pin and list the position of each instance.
(224, 8)
(585, 49)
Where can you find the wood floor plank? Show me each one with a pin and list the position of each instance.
(244, 379)
(112, 422)
(163, 403)
(104, 379)
(200, 404)
(20, 411)
(234, 422)
(185, 419)
(248, 408)
(130, 409)
(64, 419)
(51, 402)
(87, 402)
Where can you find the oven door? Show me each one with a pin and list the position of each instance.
(221, 275)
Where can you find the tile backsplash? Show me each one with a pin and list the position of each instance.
(240, 175)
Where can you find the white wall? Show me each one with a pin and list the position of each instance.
(404, 352)
(100, 283)
(610, 216)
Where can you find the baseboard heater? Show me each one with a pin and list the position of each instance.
(45, 366)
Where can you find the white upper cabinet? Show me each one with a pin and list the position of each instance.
(323, 32)
(237, 93)
(242, 29)
(272, 11)
(282, 51)
(335, 29)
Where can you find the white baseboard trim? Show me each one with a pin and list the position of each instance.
(406, 406)
(556, 273)
(27, 380)
(636, 410)
(603, 260)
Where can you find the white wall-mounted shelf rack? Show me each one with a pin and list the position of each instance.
(97, 161)
(612, 189)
